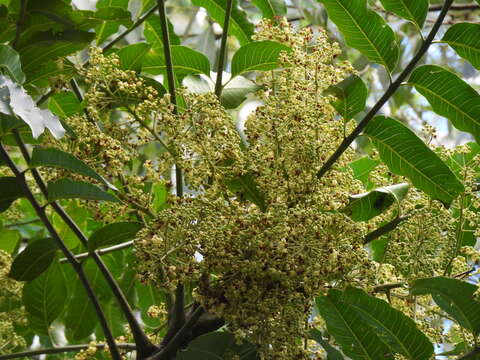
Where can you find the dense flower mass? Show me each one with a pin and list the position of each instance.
(259, 266)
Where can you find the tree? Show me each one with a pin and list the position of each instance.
(143, 216)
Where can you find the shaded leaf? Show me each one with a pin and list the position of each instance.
(271, 8)
(236, 91)
(396, 329)
(44, 297)
(363, 207)
(351, 96)
(362, 168)
(332, 353)
(455, 297)
(185, 61)
(33, 260)
(257, 55)
(464, 38)
(148, 296)
(8, 239)
(356, 339)
(239, 27)
(113, 234)
(10, 190)
(153, 32)
(56, 158)
(364, 30)
(382, 230)
(10, 61)
(246, 188)
(217, 345)
(70, 189)
(449, 96)
(412, 10)
(407, 155)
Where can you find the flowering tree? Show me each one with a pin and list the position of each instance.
(234, 193)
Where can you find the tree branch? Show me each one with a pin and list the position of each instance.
(456, 7)
(223, 49)
(390, 91)
(144, 346)
(470, 355)
(62, 349)
(77, 266)
(103, 251)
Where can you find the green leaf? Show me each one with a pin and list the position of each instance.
(10, 61)
(131, 56)
(246, 188)
(64, 104)
(351, 96)
(50, 46)
(70, 189)
(271, 8)
(455, 297)
(153, 32)
(160, 195)
(356, 339)
(217, 346)
(56, 158)
(50, 70)
(458, 349)
(34, 260)
(464, 38)
(148, 296)
(362, 168)
(364, 30)
(8, 239)
(391, 325)
(236, 91)
(44, 298)
(407, 155)
(449, 96)
(113, 234)
(332, 353)
(185, 61)
(412, 10)
(363, 207)
(10, 190)
(257, 55)
(378, 247)
(239, 27)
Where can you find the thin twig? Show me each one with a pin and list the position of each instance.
(103, 251)
(456, 7)
(223, 49)
(77, 266)
(390, 91)
(470, 355)
(62, 349)
(21, 223)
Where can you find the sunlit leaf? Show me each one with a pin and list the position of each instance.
(351, 96)
(185, 61)
(271, 8)
(412, 10)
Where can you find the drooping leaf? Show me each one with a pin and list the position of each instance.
(236, 91)
(10, 190)
(449, 96)
(33, 260)
(332, 353)
(412, 10)
(153, 32)
(396, 329)
(363, 207)
(70, 189)
(464, 38)
(356, 339)
(257, 55)
(351, 96)
(64, 104)
(217, 345)
(406, 154)
(239, 27)
(23, 106)
(131, 56)
(44, 297)
(56, 158)
(455, 297)
(10, 62)
(271, 8)
(246, 188)
(185, 61)
(364, 30)
(113, 234)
